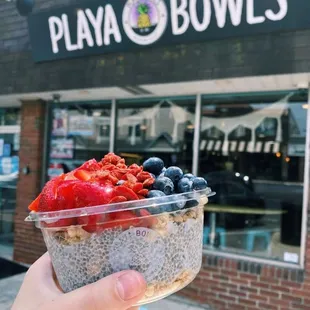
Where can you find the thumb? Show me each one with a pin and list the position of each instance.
(119, 291)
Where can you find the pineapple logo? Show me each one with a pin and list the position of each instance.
(145, 21)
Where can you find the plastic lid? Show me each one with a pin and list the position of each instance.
(121, 206)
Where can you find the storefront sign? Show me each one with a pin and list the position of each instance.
(99, 27)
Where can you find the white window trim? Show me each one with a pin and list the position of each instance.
(304, 229)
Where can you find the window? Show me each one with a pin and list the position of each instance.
(257, 170)
(79, 132)
(9, 167)
(157, 127)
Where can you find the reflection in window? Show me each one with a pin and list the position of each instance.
(160, 127)
(79, 132)
(257, 170)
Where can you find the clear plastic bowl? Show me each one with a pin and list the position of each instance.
(165, 247)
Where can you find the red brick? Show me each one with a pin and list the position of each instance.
(280, 288)
(291, 284)
(291, 298)
(249, 289)
(266, 306)
(300, 293)
(226, 297)
(237, 293)
(258, 297)
(240, 281)
(267, 293)
(278, 302)
(247, 302)
(251, 277)
(269, 280)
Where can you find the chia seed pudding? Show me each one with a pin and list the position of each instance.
(168, 254)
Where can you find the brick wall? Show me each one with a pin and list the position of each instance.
(240, 285)
(28, 242)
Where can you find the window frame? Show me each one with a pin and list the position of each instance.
(118, 103)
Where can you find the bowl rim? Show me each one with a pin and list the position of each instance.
(120, 206)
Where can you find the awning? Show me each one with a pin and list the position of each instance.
(226, 147)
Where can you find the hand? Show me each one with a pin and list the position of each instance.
(39, 291)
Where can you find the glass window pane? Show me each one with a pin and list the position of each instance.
(79, 132)
(252, 154)
(9, 167)
(157, 127)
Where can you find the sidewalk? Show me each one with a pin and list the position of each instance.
(9, 288)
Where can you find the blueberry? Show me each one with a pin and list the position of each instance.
(153, 165)
(189, 176)
(192, 203)
(199, 184)
(174, 174)
(158, 209)
(120, 182)
(164, 184)
(185, 185)
(153, 175)
(155, 193)
(178, 202)
(162, 173)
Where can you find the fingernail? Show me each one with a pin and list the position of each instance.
(129, 285)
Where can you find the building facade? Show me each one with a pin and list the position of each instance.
(220, 90)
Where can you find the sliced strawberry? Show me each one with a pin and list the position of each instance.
(70, 176)
(82, 175)
(126, 192)
(91, 194)
(141, 197)
(93, 223)
(48, 196)
(34, 206)
(123, 219)
(65, 199)
(148, 182)
(61, 223)
(143, 192)
(137, 187)
(147, 220)
(118, 199)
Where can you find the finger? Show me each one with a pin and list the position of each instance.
(119, 291)
(43, 273)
